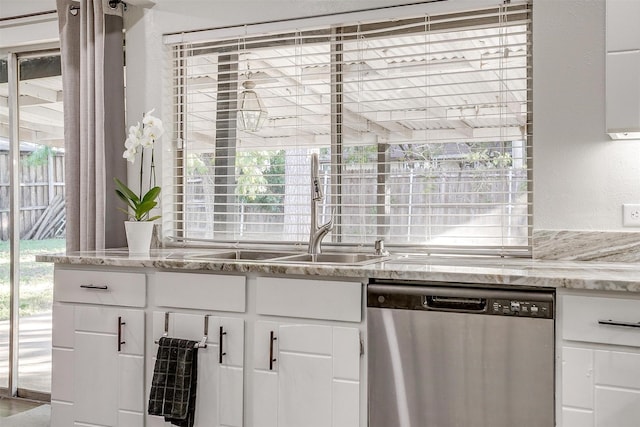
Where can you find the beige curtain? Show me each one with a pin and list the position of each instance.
(93, 85)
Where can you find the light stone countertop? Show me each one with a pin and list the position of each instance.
(605, 276)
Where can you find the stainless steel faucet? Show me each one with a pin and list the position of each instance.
(317, 233)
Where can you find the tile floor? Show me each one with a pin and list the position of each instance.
(24, 413)
(34, 352)
(10, 407)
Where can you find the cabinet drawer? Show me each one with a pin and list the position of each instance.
(311, 299)
(580, 317)
(201, 291)
(100, 287)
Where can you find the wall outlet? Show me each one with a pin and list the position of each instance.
(630, 215)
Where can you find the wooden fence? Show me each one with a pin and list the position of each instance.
(418, 206)
(40, 186)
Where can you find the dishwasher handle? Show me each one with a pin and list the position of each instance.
(458, 304)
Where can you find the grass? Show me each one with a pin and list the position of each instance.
(36, 278)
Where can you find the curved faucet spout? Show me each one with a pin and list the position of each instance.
(315, 241)
(317, 233)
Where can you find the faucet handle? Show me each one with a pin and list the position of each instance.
(379, 248)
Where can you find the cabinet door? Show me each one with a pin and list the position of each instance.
(219, 396)
(62, 390)
(108, 377)
(306, 375)
(622, 30)
(601, 387)
(98, 366)
(93, 382)
(617, 391)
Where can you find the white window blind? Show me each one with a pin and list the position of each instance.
(422, 126)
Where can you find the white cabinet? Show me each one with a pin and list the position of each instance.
(623, 69)
(306, 375)
(219, 397)
(309, 298)
(600, 362)
(98, 366)
(622, 29)
(220, 383)
(280, 352)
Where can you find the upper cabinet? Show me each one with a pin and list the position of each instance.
(623, 69)
(623, 31)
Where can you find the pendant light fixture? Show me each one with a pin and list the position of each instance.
(251, 110)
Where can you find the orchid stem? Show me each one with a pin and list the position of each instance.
(141, 165)
(152, 177)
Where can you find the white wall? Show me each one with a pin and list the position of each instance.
(11, 8)
(22, 32)
(581, 178)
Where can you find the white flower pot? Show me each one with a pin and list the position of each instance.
(138, 236)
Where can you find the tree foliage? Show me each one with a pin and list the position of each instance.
(39, 156)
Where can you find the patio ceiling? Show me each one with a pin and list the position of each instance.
(392, 93)
(40, 102)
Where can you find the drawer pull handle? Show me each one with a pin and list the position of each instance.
(272, 359)
(98, 287)
(120, 341)
(221, 353)
(619, 323)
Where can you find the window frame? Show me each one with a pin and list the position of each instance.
(337, 38)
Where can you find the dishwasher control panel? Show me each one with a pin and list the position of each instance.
(492, 302)
(515, 307)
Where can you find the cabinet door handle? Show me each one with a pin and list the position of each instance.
(221, 339)
(619, 323)
(272, 359)
(120, 325)
(97, 287)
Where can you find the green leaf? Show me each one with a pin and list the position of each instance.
(143, 208)
(140, 207)
(126, 212)
(126, 199)
(151, 194)
(153, 218)
(127, 192)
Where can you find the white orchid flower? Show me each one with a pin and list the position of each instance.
(139, 138)
(146, 141)
(152, 126)
(149, 120)
(133, 139)
(130, 154)
(131, 143)
(152, 133)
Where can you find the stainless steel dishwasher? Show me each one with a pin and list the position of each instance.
(459, 356)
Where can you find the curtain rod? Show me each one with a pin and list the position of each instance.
(28, 15)
(323, 15)
(112, 4)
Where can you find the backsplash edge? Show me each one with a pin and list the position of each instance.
(580, 245)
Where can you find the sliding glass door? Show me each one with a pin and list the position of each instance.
(32, 139)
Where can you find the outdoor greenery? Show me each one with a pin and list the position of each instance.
(36, 278)
(39, 157)
(261, 179)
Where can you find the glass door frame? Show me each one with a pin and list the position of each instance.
(13, 56)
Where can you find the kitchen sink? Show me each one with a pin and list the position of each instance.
(336, 258)
(242, 255)
(229, 255)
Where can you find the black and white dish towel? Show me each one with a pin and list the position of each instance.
(173, 388)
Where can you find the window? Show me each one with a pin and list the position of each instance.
(32, 215)
(422, 126)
